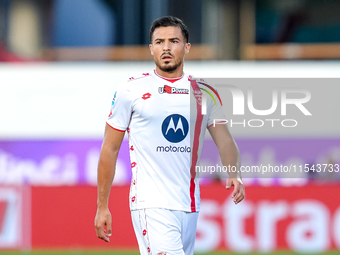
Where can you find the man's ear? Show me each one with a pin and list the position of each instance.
(187, 48)
(150, 47)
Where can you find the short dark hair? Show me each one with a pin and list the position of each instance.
(170, 21)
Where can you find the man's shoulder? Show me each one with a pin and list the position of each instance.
(138, 77)
(133, 85)
(134, 80)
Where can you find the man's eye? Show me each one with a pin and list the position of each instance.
(158, 42)
(174, 41)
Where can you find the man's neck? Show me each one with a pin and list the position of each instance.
(175, 74)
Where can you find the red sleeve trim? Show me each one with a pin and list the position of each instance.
(115, 128)
(215, 123)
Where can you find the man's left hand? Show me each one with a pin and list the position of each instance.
(239, 191)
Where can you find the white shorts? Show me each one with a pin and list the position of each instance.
(162, 231)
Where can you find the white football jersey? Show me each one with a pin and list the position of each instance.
(166, 131)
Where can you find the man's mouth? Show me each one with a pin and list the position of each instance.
(166, 57)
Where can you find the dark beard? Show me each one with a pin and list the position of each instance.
(167, 68)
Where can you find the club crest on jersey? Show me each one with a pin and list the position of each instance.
(198, 96)
(172, 90)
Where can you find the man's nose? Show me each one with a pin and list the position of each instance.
(166, 46)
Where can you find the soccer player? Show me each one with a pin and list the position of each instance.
(161, 111)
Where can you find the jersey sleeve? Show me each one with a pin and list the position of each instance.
(215, 109)
(121, 109)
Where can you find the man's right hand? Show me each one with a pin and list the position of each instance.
(103, 218)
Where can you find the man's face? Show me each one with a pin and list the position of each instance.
(168, 48)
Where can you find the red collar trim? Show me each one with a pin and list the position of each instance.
(172, 80)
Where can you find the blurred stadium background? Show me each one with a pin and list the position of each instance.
(60, 63)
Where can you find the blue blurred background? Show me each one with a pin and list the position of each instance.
(230, 30)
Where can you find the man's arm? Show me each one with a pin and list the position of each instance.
(230, 156)
(106, 172)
